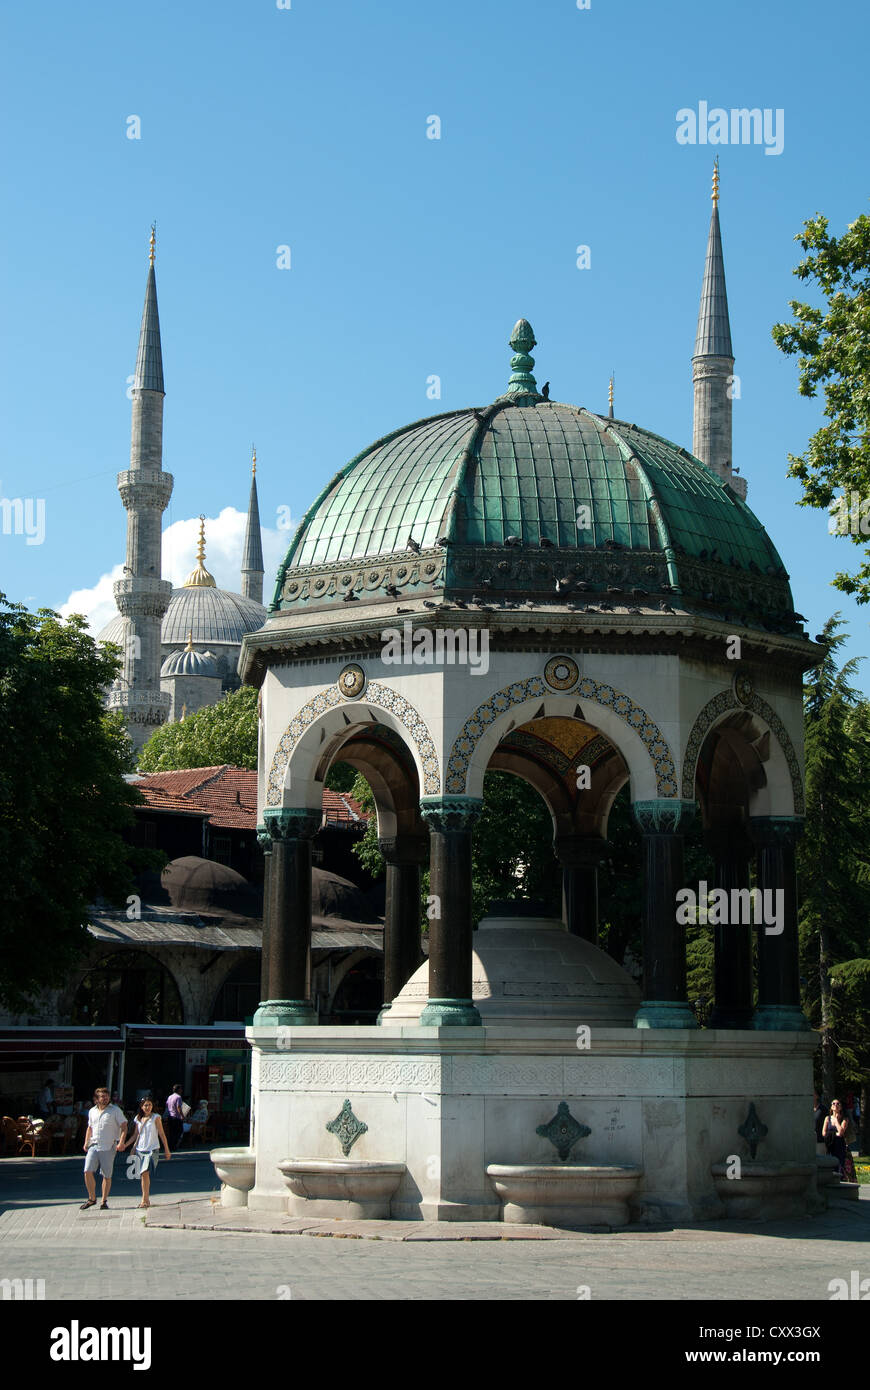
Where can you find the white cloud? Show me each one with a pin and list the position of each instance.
(224, 539)
(97, 604)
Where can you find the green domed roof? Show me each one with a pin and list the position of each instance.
(527, 496)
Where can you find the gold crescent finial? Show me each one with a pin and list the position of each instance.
(715, 194)
(152, 243)
(253, 460)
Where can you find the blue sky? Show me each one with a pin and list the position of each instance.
(410, 257)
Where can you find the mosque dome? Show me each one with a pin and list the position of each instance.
(203, 615)
(531, 499)
(189, 662)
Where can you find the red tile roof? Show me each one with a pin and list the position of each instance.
(228, 797)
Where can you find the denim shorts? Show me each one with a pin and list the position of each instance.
(147, 1160)
(104, 1159)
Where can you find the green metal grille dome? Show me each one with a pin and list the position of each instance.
(527, 498)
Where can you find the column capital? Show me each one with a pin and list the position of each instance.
(264, 838)
(580, 851)
(443, 813)
(775, 832)
(404, 849)
(292, 822)
(664, 817)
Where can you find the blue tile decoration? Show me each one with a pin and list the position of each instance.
(376, 694)
(741, 697)
(587, 688)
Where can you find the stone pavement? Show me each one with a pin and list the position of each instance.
(96, 1255)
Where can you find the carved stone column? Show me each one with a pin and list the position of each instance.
(580, 856)
(287, 929)
(404, 854)
(779, 997)
(732, 941)
(662, 824)
(450, 820)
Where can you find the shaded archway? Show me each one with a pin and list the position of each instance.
(127, 987)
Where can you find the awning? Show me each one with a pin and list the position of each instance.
(60, 1040)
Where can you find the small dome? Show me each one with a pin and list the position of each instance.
(529, 971)
(190, 663)
(204, 885)
(336, 901)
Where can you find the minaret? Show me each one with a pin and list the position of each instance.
(142, 596)
(713, 362)
(252, 555)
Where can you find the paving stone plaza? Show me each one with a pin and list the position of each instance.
(115, 1255)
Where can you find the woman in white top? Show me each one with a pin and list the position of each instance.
(148, 1135)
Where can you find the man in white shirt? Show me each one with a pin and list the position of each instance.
(107, 1127)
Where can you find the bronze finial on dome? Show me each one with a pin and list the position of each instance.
(522, 339)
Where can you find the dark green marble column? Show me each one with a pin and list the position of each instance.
(779, 997)
(732, 941)
(404, 855)
(664, 1003)
(287, 929)
(264, 840)
(580, 856)
(450, 820)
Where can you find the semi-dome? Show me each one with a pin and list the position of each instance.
(533, 499)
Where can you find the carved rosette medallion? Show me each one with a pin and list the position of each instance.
(352, 681)
(561, 673)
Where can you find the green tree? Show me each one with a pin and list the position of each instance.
(834, 892)
(63, 800)
(833, 344)
(217, 734)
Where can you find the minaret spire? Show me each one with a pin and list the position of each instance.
(713, 361)
(252, 554)
(142, 596)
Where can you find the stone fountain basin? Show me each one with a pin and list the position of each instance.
(764, 1191)
(236, 1169)
(564, 1194)
(341, 1188)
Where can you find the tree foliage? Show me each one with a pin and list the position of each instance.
(217, 734)
(63, 800)
(833, 859)
(833, 343)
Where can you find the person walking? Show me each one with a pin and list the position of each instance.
(175, 1122)
(149, 1135)
(107, 1127)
